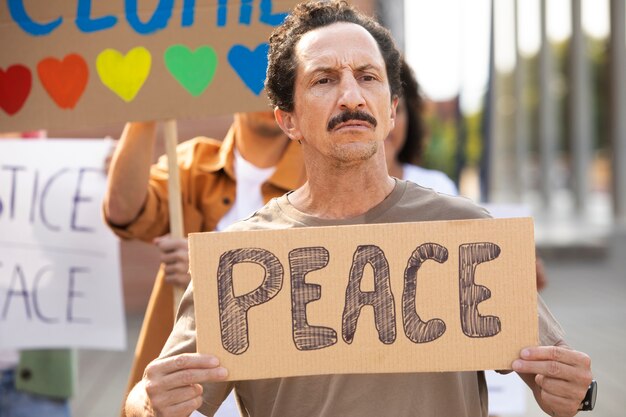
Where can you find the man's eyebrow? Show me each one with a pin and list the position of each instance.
(323, 70)
(367, 67)
(326, 69)
(330, 69)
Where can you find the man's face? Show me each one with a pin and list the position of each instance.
(342, 102)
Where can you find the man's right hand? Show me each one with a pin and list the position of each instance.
(171, 386)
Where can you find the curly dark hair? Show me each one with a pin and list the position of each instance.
(282, 65)
(411, 152)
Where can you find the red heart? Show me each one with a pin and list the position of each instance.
(64, 80)
(15, 86)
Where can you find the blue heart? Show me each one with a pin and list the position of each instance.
(250, 65)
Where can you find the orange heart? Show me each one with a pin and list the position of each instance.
(64, 80)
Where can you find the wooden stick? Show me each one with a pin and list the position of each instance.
(176, 209)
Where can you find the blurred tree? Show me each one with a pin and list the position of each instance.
(441, 145)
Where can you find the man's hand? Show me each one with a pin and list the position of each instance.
(542, 280)
(175, 257)
(561, 377)
(172, 385)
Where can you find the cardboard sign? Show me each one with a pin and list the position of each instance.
(79, 62)
(404, 297)
(59, 263)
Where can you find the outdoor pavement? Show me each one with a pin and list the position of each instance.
(586, 292)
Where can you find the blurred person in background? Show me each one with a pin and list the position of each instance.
(405, 143)
(221, 182)
(36, 382)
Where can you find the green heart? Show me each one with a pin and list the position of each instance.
(194, 70)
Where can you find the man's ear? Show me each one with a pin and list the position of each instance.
(394, 105)
(287, 123)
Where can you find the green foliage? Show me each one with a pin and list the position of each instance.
(474, 144)
(440, 150)
(441, 147)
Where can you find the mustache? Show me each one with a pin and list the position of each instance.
(347, 115)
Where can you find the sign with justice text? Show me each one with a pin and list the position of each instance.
(60, 281)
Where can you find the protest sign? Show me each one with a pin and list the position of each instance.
(436, 296)
(59, 263)
(76, 63)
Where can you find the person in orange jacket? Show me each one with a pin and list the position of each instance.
(221, 182)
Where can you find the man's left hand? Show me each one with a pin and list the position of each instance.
(561, 377)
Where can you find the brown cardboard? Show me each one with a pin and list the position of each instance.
(271, 349)
(81, 96)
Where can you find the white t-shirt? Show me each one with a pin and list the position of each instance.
(248, 193)
(429, 178)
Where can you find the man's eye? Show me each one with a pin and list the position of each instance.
(323, 81)
(368, 78)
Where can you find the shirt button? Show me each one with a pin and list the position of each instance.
(26, 374)
(226, 201)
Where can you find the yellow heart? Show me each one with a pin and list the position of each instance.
(124, 75)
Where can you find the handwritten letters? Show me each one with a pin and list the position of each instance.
(59, 263)
(233, 310)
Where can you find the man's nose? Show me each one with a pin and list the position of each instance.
(350, 95)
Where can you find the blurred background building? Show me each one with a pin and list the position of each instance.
(527, 105)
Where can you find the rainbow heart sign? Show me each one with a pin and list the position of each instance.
(124, 74)
(69, 64)
(194, 70)
(64, 80)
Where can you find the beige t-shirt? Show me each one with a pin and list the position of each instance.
(445, 394)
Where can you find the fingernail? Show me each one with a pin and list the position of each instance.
(222, 372)
(213, 362)
(517, 365)
(525, 353)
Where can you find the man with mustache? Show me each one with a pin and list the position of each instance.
(333, 78)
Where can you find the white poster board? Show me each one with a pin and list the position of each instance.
(59, 263)
(507, 394)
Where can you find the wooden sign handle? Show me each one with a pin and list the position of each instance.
(175, 198)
